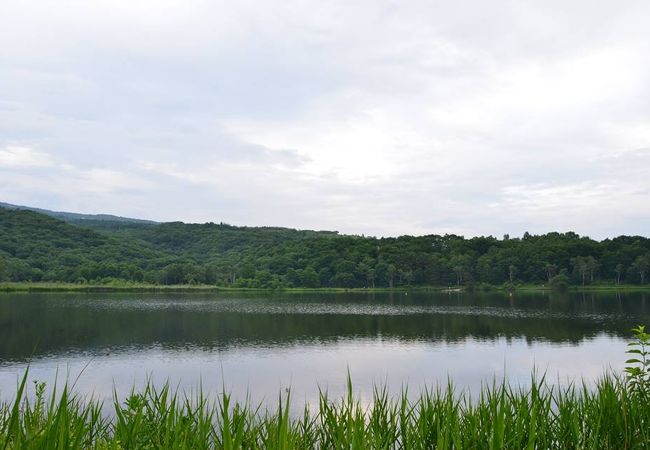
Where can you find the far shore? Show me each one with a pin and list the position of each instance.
(144, 287)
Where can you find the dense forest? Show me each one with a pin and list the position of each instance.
(38, 247)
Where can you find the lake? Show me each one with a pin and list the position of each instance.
(260, 344)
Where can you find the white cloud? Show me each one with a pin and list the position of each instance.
(13, 156)
(368, 117)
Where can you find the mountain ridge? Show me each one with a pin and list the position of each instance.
(38, 247)
(75, 217)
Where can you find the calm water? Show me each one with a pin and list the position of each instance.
(263, 343)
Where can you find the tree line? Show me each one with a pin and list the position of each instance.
(36, 247)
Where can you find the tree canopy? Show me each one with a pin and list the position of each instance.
(37, 247)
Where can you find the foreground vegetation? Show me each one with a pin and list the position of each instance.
(613, 415)
(38, 248)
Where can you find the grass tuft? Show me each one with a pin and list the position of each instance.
(612, 415)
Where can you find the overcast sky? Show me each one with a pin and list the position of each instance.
(368, 117)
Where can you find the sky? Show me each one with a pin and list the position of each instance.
(369, 117)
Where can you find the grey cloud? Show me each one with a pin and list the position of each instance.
(367, 117)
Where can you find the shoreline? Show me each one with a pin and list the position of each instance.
(143, 287)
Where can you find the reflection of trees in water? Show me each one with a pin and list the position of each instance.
(40, 324)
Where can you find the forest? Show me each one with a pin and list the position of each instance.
(39, 248)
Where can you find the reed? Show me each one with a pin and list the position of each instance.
(612, 414)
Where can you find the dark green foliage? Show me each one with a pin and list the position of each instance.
(559, 282)
(35, 247)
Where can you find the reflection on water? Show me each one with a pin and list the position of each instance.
(261, 343)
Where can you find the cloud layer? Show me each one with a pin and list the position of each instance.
(368, 117)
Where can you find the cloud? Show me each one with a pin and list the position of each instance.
(15, 156)
(367, 117)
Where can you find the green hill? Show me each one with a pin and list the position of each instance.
(77, 218)
(38, 247)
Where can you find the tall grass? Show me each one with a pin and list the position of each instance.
(610, 415)
(613, 414)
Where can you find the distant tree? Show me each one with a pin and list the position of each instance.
(343, 279)
(247, 270)
(309, 278)
(173, 274)
(459, 264)
(293, 277)
(592, 266)
(324, 276)
(619, 270)
(550, 270)
(264, 279)
(406, 276)
(3, 268)
(37, 247)
(640, 266)
(512, 270)
(367, 270)
(580, 267)
(391, 272)
(559, 282)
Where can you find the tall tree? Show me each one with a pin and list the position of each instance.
(619, 270)
(550, 269)
(592, 266)
(640, 266)
(580, 267)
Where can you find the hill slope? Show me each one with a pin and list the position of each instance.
(38, 247)
(35, 246)
(78, 218)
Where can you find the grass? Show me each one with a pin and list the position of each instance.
(615, 414)
(122, 286)
(612, 415)
(128, 286)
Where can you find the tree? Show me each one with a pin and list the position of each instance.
(551, 270)
(3, 266)
(619, 270)
(309, 278)
(343, 279)
(581, 267)
(391, 272)
(459, 264)
(559, 282)
(640, 266)
(406, 276)
(264, 279)
(512, 270)
(367, 270)
(38, 247)
(592, 266)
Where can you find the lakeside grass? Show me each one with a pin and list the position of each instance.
(145, 287)
(612, 415)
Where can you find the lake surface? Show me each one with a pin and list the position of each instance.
(257, 345)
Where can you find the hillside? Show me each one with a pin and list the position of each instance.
(70, 217)
(37, 247)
